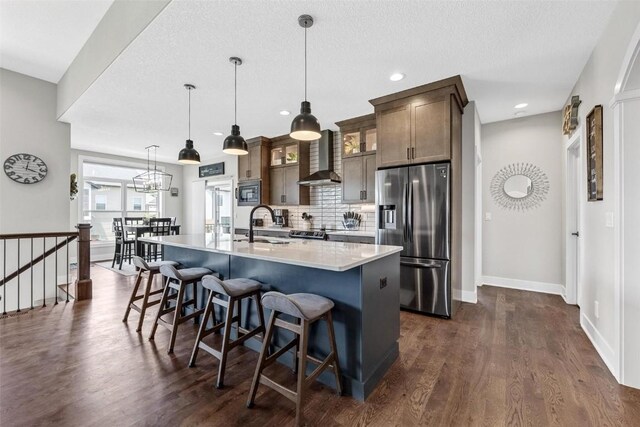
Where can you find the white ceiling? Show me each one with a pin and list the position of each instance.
(41, 38)
(507, 52)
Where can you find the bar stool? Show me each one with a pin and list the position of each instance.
(234, 290)
(178, 280)
(307, 308)
(150, 269)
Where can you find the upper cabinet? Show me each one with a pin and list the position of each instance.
(359, 135)
(359, 145)
(415, 126)
(255, 165)
(289, 162)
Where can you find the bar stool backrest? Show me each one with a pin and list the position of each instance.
(160, 226)
(140, 263)
(118, 230)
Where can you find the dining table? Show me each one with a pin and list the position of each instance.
(139, 230)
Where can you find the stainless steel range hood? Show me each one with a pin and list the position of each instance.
(325, 174)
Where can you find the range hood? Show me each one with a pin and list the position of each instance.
(325, 174)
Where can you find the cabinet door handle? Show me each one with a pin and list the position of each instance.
(413, 152)
(236, 194)
(248, 174)
(364, 195)
(284, 198)
(408, 153)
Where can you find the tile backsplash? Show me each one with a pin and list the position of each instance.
(326, 206)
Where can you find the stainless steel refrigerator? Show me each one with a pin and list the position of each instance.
(414, 211)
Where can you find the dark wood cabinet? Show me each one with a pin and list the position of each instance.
(359, 144)
(292, 163)
(394, 135)
(415, 126)
(255, 165)
(358, 179)
(359, 135)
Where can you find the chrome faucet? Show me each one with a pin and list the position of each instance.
(273, 218)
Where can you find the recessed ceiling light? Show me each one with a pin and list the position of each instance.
(520, 113)
(524, 104)
(285, 113)
(218, 133)
(396, 77)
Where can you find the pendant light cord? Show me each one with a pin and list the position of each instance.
(235, 92)
(189, 90)
(305, 63)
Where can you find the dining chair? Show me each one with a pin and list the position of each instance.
(158, 227)
(124, 245)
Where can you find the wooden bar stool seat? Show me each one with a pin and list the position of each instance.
(307, 309)
(234, 290)
(178, 280)
(150, 269)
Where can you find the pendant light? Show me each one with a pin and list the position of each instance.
(234, 143)
(305, 127)
(152, 180)
(188, 155)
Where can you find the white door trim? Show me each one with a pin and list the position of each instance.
(572, 197)
(621, 94)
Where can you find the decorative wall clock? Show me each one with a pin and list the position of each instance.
(25, 168)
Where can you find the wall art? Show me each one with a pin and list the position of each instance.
(519, 187)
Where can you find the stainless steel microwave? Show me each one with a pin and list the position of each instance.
(249, 193)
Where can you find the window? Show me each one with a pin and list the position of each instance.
(107, 193)
(101, 202)
(137, 203)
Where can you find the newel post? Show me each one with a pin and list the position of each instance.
(83, 283)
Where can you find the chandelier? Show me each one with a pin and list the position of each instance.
(152, 180)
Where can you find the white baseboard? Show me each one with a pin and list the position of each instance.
(524, 285)
(470, 296)
(600, 344)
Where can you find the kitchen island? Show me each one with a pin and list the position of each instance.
(362, 280)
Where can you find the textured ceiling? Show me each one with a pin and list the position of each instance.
(41, 38)
(507, 53)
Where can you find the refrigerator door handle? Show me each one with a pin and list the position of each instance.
(410, 212)
(405, 212)
(421, 264)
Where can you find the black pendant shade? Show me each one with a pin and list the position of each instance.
(234, 143)
(305, 126)
(188, 155)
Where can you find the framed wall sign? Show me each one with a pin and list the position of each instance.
(594, 154)
(212, 170)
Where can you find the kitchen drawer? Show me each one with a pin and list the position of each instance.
(351, 239)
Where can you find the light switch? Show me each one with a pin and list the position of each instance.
(609, 219)
(488, 216)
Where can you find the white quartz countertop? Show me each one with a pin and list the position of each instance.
(326, 255)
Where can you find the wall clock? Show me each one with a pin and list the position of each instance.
(25, 168)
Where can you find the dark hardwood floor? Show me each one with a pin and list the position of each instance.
(515, 358)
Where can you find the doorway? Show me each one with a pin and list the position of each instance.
(572, 219)
(219, 209)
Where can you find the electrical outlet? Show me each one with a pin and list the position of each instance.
(488, 216)
(383, 282)
(596, 309)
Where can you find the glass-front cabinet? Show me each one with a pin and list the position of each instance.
(358, 135)
(284, 155)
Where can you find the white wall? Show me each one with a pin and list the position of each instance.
(595, 86)
(470, 138)
(524, 248)
(28, 125)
